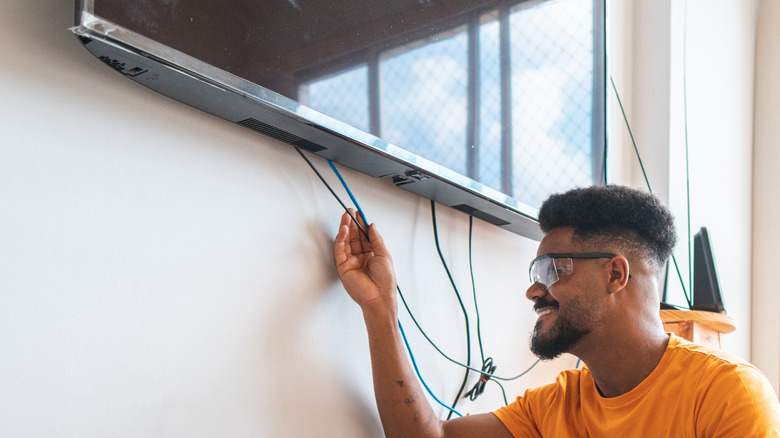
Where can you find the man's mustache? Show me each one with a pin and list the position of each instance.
(541, 304)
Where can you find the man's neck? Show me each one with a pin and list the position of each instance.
(620, 363)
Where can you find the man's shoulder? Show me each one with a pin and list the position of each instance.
(708, 364)
(683, 350)
(568, 383)
(731, 395)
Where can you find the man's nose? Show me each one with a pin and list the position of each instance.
(535, 291)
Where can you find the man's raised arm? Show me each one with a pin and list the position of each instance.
(366, 271)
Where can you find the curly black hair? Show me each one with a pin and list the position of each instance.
(613, 214)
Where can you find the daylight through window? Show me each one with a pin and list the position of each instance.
(506, 97)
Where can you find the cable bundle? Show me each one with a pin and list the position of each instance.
(488, 368)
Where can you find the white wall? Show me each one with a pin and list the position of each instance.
(167, 273)
(718, 65)
(720, 72)
(766, 201)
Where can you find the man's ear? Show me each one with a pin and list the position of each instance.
(619, 273)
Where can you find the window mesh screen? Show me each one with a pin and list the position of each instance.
(343, 95)
(552, 87)
(533, 103)
(423, 100)
(489, 138)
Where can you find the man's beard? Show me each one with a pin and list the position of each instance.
(561, 336)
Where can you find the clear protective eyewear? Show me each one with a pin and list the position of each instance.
(549, 268)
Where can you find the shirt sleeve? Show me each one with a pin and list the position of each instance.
(518, 418)
(739, 401)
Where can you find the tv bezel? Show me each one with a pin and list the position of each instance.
(218, 92)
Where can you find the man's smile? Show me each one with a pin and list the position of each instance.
(545, 310)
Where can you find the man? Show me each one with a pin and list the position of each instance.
(595, 290)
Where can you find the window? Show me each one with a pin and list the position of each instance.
(517, 92)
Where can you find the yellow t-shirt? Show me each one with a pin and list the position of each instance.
(694, 391)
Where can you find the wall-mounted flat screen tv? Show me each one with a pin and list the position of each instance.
(486, 106)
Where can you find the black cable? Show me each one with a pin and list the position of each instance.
(482, 371)
(687, 167)
(462, 307)
(400, 327)
(444, 355)
(647, 181)
(400, 293)
(488, 368)
(631, 134)
(506, 403)
(474, 288)
(365, 232)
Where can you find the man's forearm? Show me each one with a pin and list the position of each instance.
(403, 407)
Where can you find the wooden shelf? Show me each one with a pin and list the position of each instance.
(698, 326)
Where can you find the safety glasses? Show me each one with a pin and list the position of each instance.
(549, 268)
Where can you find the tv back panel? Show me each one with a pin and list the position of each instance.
(706, 287)
(259, 65)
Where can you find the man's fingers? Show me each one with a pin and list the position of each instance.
(357, 239)
(341, 250)
(351, 241)
(377, 243)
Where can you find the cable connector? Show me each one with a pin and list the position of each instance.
(487, 373)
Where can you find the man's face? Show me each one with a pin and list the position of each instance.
(569, 309)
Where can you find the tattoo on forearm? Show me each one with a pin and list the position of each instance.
(410, 399)
(418, 418)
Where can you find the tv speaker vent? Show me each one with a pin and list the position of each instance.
(280, 134)
(123, 65)
(480, 214)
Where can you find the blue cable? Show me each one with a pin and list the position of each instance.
(403, 335)
(349, 192)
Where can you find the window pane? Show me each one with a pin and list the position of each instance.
(489, 147)
(552, 86)
(343, 95)
(423, 100)
(423, 104)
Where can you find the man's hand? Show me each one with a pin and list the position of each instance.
(364, 265)
(366, 270)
